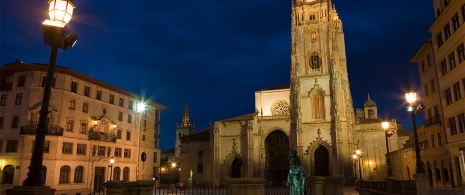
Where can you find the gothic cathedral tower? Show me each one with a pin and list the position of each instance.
(185, 128)
(321, 105)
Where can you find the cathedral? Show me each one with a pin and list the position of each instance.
(313, 115)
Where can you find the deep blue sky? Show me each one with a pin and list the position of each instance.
(216, 53)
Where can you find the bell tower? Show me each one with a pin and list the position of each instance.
(321, 103)
(185, 128)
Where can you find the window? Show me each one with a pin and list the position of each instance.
(144, 126)
(461, 52)
(452, 63)
(129, 118)
(155, 157)
(128, 135)
(433, 141)
(118, 152)
(87, 91)
(72, 104)
(425, 90)
(455, 22)
(11, 146)
(70, 125)
(19, 98)
(126, 173)
(15, 122)
(448, 95)
(1, 145)
(116, 173)
(452, 126)
(21, 81)
(78, 173)
(444, 67)
(422, 65)
(121, 102)
(439, 39)
(130, 105)
(85, 107)
(112, 99)
(64, 174)
(120, 116)
(447, 31)
(101, 151)
(2, 119)
(317, 102)
(8, 174)
(143, 138)
(433, 88)
(98, 95)
(44, 80)
(118, 133)
(3, 100)
(461, 123)
(428, 60)
(439, 139)
(46, 146)
(81, 149)
(74, 86)
(457, 94)
(67, 148)
(313, 35)
(127, 153)
(463, 13)
(200, 168)
(83, 127)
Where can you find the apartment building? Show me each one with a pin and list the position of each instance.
(90, 122)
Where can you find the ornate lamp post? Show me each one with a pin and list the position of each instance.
(385, 125)
(411, 98)
(60, 12)
(173, 166)
(357, 156)
(112, 160)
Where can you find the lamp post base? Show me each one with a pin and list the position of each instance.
(421, 180)
(31, 190)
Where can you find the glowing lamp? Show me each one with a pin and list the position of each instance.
(140, 107)
(112, 160)
(411, 96)
(60, 12)
(385, 124)
(358, 151)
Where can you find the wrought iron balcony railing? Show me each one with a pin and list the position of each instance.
(52, 130)
(102, 136)
(432, 121)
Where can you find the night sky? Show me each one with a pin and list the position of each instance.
(216, 53)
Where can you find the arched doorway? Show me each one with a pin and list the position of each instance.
(236, 168)
(321, 157)
(277, 150)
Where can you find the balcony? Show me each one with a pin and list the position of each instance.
(52, 130)
(273, 117)
(102, 136)
(432, 121)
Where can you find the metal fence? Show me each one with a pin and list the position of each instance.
(402, 187)
(189, 190)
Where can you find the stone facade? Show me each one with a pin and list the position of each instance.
(90, 122)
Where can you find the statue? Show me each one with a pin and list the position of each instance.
(191, 174)
(296, 179)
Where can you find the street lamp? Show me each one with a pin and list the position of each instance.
(385, 125)
(411, 98)
(112, 160)
(173, 166)
(60, 12)
(357, 156)
(140, 108)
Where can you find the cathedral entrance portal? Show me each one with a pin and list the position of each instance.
(277, 150)
(321, 161)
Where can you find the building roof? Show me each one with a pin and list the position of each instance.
(277, 87)
(369, 102)
(240, 118)
(202, 135)
(19, 66)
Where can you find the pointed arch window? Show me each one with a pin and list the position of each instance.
(315, 61)
(317, 105)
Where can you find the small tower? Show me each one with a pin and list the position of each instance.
(370, 109)
(185, 128)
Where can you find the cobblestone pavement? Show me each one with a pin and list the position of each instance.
(350, 190)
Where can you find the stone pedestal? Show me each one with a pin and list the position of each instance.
(421, 180)
(141, 187)
(245, 186)
(31, 190)
(190, 182)
(326, 185)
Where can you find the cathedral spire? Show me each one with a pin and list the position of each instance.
(186, 119)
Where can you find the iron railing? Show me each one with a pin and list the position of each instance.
(30, 130)
(99, 192)
(401, 187)
(432, 121)
(189, 190)
(102, 136)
